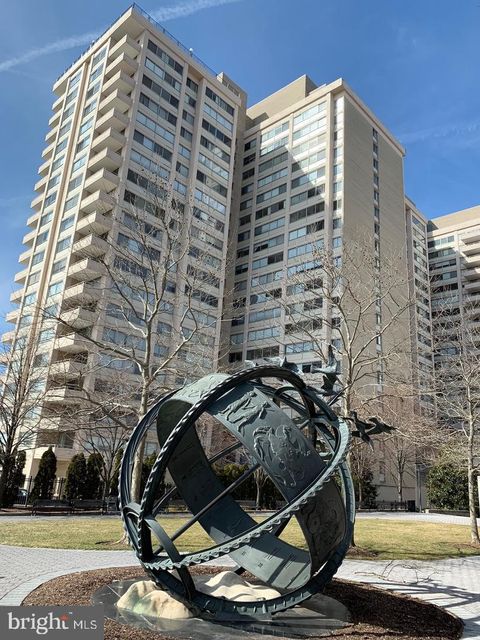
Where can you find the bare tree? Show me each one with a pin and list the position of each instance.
(457, 392)
(360, 308)
(156, 295)
(22, 393)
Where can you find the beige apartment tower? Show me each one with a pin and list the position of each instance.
(319, 171)
(136, 103)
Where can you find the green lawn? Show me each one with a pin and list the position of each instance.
(380, 539)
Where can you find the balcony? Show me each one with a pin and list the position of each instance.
(473, 236)
(37, 202)
(8, 337)
(97, 201)
(73, 343)
(94, 223)
(114, 119)
(40, 185)
(44, 168)
(82, 293)
(472, 261)
(120, 81)
(122, 62)
(90, 246)
(51, 135)
(79, 318)
(58, 103)
(85, 270)
(12, 316)
(63, 454)
(472, 274)
(29, 237)
(67, 369)
(33, 219)
(48, 151)
(25, 256)
(65, 395)
(471, 248)
(115, 100)
(107, 159)
(16, 296)
(21, 276)
(109, 139)
(55, 119)
(473, 286)
(103, 179)
(125, 45)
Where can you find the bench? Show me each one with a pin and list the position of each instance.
(88, 505)
(51, 506)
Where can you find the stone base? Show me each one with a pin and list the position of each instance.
(141, 604)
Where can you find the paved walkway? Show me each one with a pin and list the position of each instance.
(453, 584)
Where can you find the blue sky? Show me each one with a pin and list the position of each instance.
(414, 62)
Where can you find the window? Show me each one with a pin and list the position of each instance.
(276, 144)
(160, 53)
(211, 183)
(263, 352)
(152, 146)
(213, 166)
(274, 132)
(265, 314)
(264, 334)
(306, 195)
(38, 257)
(248, 173)
(33, 278)
(309, 113)
(164, 75)
(186, 134)
(263, 262)
(281, 173)
(309, 128)
(158, 110)
(54, 289)
(213, 113)
(309, 211)
(251, 144)
(41, 238)
(150, 165)
(59, 266)
(308, 177)
(219, 101)
(189, 119)
(269, 226)
(273, 208)
(268, 243)
(205, 142)
(85, 126)
(63, 244)
(208, 219)
(306, 230)
(183, 151)
(89, 108)
(191, 84)
(216, 133)
(67, 223)
(155, 127)
(209, 201)
(58, 163)
(71, 202)
(266, 278)
(299, 347)
(79, 163)
(272, 193)
(160, 91)
(182, 169)
(245, 235)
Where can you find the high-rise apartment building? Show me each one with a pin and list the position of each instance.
(420, 312)
(308, 167)
(135, 104)
(319, 172)
(454, 261)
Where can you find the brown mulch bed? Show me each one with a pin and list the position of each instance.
(375, 613)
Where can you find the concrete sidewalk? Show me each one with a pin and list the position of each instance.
(453, 584)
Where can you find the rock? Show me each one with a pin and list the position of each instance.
(145, 598)
(230, 585)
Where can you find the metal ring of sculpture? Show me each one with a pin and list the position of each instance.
(303, 456)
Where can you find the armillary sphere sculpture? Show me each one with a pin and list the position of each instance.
(286, 428)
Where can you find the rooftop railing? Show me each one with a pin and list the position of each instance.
(158, 26)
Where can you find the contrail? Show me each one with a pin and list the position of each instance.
(164, 14)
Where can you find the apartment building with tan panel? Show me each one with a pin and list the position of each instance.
(318, 170)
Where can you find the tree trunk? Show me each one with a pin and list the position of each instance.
(138, 462)
(471, 483)
(259, 500)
